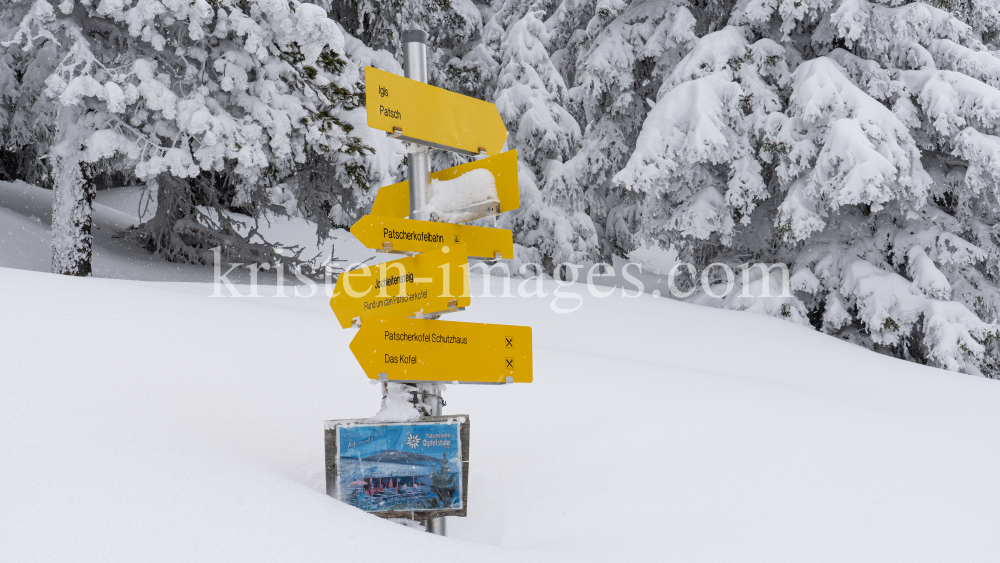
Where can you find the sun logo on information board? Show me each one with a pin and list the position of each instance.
(412, 441)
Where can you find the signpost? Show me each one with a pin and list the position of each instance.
(393, 349)
(394, 200)
(425, 284)
(418, 469)
(419, 113)
(392, 234)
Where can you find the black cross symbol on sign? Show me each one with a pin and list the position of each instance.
(510, 363)
(508, 341)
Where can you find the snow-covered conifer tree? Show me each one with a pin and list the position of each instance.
(853, 141)
(529, 95)
(624, 52)
(209, 104)
(26, 115)
(452, 27)
(694, 167)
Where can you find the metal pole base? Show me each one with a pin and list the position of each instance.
(436, 526)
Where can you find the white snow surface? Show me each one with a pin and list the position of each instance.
(148, 421)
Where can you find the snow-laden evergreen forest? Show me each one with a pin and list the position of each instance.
(858, 142)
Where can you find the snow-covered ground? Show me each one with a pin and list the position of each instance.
(25, 242)
(148, 421)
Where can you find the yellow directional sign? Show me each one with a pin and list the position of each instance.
(394, 200)
(433, 282)
(406, 235)
(424, 350)
(432, 116)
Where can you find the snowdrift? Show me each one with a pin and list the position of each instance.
(145, 421)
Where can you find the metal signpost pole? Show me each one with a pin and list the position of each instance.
(418, 157)
(418, 174)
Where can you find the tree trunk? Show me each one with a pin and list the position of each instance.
(72, 212)
(174, 202)
(161, 225)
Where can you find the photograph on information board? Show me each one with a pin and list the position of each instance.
(400, 467)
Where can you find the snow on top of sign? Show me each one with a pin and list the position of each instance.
(450, 197)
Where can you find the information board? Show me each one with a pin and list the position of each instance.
(416, 470)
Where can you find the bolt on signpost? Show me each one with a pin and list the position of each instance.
(418, 469)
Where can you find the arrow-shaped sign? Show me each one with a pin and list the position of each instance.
(406, 235)
(394, 200)
(424, 350)
(424, 114)
(428, 283)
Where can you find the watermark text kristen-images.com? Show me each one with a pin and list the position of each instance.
(566, 297)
